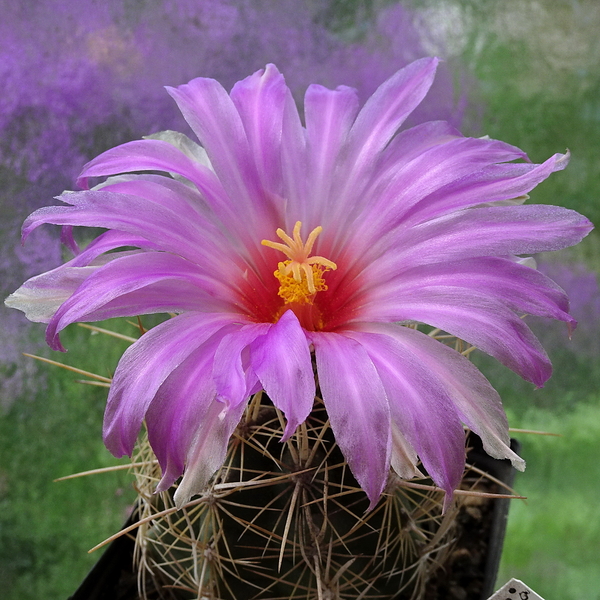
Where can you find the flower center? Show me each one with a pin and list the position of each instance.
(301, 276)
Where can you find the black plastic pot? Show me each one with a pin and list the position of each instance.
(503, 471)
(112, 577)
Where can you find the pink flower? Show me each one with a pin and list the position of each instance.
(273, 240)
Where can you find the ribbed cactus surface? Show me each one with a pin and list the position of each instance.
(288, 520)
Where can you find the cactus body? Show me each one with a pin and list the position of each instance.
(288, 520)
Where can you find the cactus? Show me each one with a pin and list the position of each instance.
(420, 225)
(283, 521)
(288, 520)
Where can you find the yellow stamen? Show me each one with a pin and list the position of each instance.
(301, 276)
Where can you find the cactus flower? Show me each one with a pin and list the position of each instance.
(275, 241)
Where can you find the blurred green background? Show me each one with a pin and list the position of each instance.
(532, 69)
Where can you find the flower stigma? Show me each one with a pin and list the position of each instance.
(301, 276)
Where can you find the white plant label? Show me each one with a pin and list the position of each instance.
(515, 590)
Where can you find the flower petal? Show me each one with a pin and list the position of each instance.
(481, 321)
(519, 287)
(491, 184)
(477, 403)
(181, 406)
(232, 372)
(281, 359)
(387, 109)
(107, 241)
(436, 167)
(183, 143)
(420, 407)
(145, 155)
(374, 127)
(150, 218)
(208, 450)
(163, 282)
(41, 296)
(260, 101)
(329, 116)
(410, 143)
(404, 457)
(357, 407)
(214, 118)
(144, 367)
(488, 231)
(188, 427)
(160, 155)
(294, 162)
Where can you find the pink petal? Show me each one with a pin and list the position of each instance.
(233, 374)
(481, 321)
(420, 407)
(214, 118)
(489, 231)
(518, 287)
(281, 359)
(376, 124)
(41, 296)
(188, 427)
(491, 184)
(435, 168)
(404, 457)
(260, 101)
(294, 161)
(411, 143)
(107, 241)
(329, 116)
(151, 218)
(159, 155)
(357, 407)
(208, 450)
(146, 155)
(386, 110)
(475, 400)
(163, 282)
(182, 406)
(144, 367)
